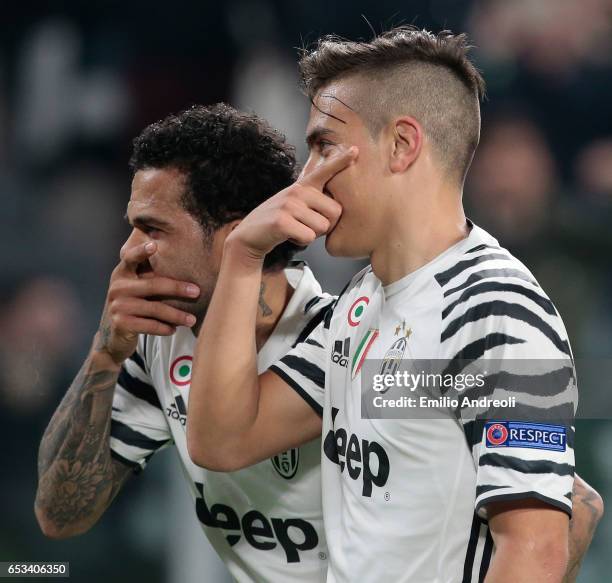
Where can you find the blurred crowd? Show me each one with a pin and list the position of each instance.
(77, 84)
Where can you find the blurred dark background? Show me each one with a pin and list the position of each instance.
(79, 81)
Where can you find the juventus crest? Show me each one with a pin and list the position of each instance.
(286, 463)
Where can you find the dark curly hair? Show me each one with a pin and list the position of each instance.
(233, 161)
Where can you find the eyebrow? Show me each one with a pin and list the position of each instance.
(140, 220)
(315, 134)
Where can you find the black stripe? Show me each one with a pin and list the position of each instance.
(346, 287)
(307, 369)
(297, 263)
(520, 386)
(313, 342)
(473, 431)
(470, 553)
(355, 281)
(486, 488)
(311, 303)
(541, 385)
(474, 350)
(313, 323)
(138, 388)
(557, 415)
(487, 273)
(299, 390)
(481, 247)
(329, 312)
(444, 277)
(130, 436)
(116, 409)
(139, 361)
(569, 496)
(180, 405)
(570, 436)
(486, 556)
(525, 467)
(514, 311)
(489, 286)
(136, 467)
(526, 495)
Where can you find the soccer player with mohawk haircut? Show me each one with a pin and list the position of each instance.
(393, 128)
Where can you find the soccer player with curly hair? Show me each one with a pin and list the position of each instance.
(195, 176)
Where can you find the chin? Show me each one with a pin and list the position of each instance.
(337, 245)
(189, 306)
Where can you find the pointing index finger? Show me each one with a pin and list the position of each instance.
(319, 174)
(132, 257)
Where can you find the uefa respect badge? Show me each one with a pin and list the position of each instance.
(527, 435)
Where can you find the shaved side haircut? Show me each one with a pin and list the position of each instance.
(406, 71)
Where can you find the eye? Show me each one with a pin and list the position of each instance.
(149, 230)
(324, 146)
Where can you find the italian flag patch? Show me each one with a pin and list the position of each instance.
(362, 350)
(357, 309)
(180, 371)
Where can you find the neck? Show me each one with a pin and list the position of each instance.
(417, 230)
(274, 295)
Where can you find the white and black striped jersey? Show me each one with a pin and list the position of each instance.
(264, 521)
(405, 497)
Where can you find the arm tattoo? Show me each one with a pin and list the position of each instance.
(265, 308)
(587, 513)
(589, 499)
(104, 333)
(77, 476)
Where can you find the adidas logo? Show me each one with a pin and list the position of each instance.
(340, 353)
(178, 411)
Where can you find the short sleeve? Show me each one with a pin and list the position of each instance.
(303, 368)
(518, 414)
(138, 425)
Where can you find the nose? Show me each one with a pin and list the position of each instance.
(136, 238)
(311, 163)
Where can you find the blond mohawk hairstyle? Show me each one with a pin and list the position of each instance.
(407, 71)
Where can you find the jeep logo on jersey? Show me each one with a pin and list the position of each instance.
(286, 463)
(365, 459)
(292, 534)
(180, 371)
(357, 310)
(341, 351)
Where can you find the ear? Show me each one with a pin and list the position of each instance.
(219, 236)
(232, 225)
(407, 143)
(223, 231)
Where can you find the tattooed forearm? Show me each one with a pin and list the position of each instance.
(587, 512)
(265, 308)
(77, 476)
(104, 334)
